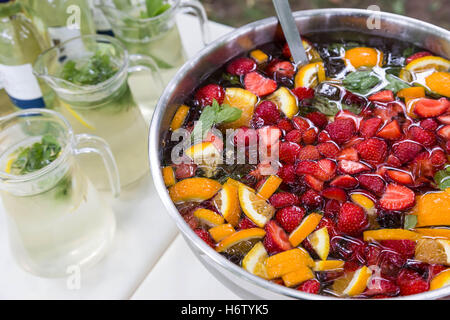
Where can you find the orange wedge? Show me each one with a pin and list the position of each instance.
(432, 209)
(254, 261)
(390, 234)
(221, 232)
(328, 265)
(363, 201)
(179, 117)
(259, 56)
(304, 229)
(363, 57)
(439, 82)
(204, 153)
(442, 279)
(428, 65)
(240, 236)
(433, 251)
(269, 187)
(434, 232)
(255, 207)
(287, 261)
(353, 283)
(194, 189)
(320, 241)
(310, 75)
(208, 217)
(298, 276)
(244, 100)
(168, 176)
(227, 202)
(410, 94)
(285, 101)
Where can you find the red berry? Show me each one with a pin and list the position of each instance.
(285, 125)
(348, 154)
(379, 286)
(422, 136)
(369, 127)
(402, 177)
(372, 149)
(331, 209)
(313, 183)
(382, 96)
(204, 235)
(288, 152)
(410, 282)
(352, 167)
(341, 130)
(207, 94)
(323, 137)
(372, 253)
(246, 223)
(241, 66)
(301, 123)
(294, 136)
(287, 173)
(397, 197)
(438, 158)
(304, 93)
(309, 152)
(268, 112)
(427, 108)
(327, 170)
(406, 151)
(276, 240)
(372, 183)
(352, 219)
(280, 68)
(334, 194)
(284, 199)
(417, 55)
(391, 131)
(185, 170)
(444, 132)
(309, 136)
(258, 84)
(318, 118)
(310, 286)
(306, 167)
(345, 181)
(311, 199)
(394, 161)
(404, 247)
(444, 119)
(429, 124)
(290, 217)
(328, 149)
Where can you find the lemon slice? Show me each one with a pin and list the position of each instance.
(320, 241)
(227, 202)
(241, 99)
(305, 228)
(259, 56)
(428, 65)
(310, 75)
(204, 153)
(9, 165)
(328, 265)
(442, 279)
(311, 52)
(255, 207)
(285, 101)
(353, 283)
(240, 236)
(433, 251)
(208, 217)
(254, 261)
(79, 118)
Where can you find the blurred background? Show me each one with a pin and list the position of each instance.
(239, 12)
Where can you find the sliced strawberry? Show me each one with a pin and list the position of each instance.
(207, 94)
(438, 158)
(309, 152)
(372, 149)
(346, 182)
(352, 219)
(287, 173)
(382, 96)
(306, 167)
(318, 118)
(397, 197)
(268, 112)
(294, 136)
(204, 235)
(334, 193)
(285, 125)
(258, 84)
(430, 123)
(327, 169)
(372, 183)
(411, 282)
(313, 183)
(369, 127)
(283, 199)
(246, 223)
(352, 167)
(427, 108)
(348, 154)
(445, 119)
(401, 177)
(310, 286)
(406, 150)
(309, 136)
(378, 285)
(276, 239)
(328, 149)
(417, 55)
(280, 68)
(311, 199)
(301, 123)
(304, 93)
(323, 137)
(289, 152)
(341, 130)
(391, 131)
(444, 132)
(404, 247)
(241, 66)
(422, 136)
(394, 161)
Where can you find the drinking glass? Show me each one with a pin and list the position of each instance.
(106, 109)
(56, 219)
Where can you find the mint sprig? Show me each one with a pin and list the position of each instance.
(214, 115)
(155, 8)
(442, 178)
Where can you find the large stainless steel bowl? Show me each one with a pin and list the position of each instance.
(235, 43)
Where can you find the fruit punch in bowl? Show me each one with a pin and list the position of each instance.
(91, 83)
(56, 219)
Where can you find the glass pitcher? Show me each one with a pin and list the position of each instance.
(106, 109)
(56, 219)
(157, 36)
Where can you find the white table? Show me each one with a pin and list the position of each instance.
(144, 261)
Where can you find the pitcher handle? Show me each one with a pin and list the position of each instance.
(140, 62)
(86, 143)
(195, 7)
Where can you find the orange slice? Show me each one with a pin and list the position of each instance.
(304, 229)
(439, 82)
(410, 94)
(428, 65)
(434, 232)
(353, 283)
(208, 217)
(363, 57)
(204, 153)
(269, 187)
(254, 261)
(259, 56)
(179, 117)
(310, 75)
(287, 261)
(221, 232)
(432, 209)
(285, 101)
(240, 236)
(320, 241)
(442, 279)
(328, 265)
(363, 201)
(168, 176)
(390, 234)
(227, 202)
(298, 276)
(311, 52)
(244, 100)
(255, 207)
(433, 251)
(194, 189)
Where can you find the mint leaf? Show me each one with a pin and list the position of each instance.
(228, 114)
(155, 8)
(408, 52)
(442, 178)
(232, 79)
(361, 81)
(410, 221)
(395, 84)
(326, 106)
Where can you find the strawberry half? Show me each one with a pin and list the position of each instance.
(310, 286)
(418, 55)
(276, 239)
(427, 108)
(372, 149)
(382, 96)
(401, 177)
(345, 181)
(280, 68)
(313, 183)
(290, 217)
(258, 84)
(369, 127)
(348, 154)
(207, 94)
(352, 167)
(303, 93)
(241, 66)
(444, 132)
(334, 193)
(372, 183)
(352, 219)
(397, 197)
(391, 131)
